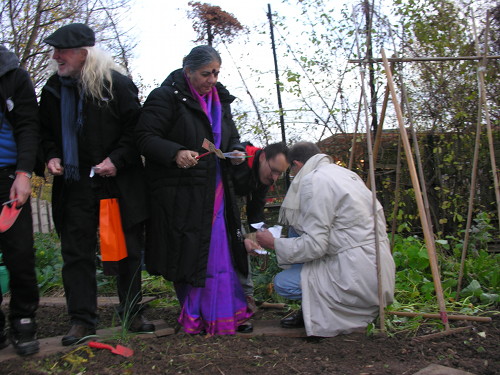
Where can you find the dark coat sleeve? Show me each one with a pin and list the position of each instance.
(24, 120)
(156, 122)
(126, 92)
(49, 116)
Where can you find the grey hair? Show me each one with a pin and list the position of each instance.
(199, 57)
(302, 151)
(95, 78)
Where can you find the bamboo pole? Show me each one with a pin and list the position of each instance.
(353, 147)
(472, 193)
(380, 127)
(475, 162)
(378, 136)
(411, 59)
(482, 87)
(381, 299)
(416, 149)
(482, 319)
(441, 334)
(428, 235)
(396, 194)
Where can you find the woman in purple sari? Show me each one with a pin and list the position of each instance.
(193, 237)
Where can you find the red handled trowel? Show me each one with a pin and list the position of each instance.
(120, 350)
(9, 215)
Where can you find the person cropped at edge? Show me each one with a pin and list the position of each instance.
(252, 180)
(333, 260)
(19, 137)
(193, 237)
(88, 112)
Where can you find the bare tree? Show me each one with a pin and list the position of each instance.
(24, 24)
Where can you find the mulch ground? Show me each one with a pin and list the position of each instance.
(475, 350)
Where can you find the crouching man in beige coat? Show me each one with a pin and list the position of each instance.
(331, 265)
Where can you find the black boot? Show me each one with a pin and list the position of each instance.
(3, 339)
(22, 335)
(295, 320)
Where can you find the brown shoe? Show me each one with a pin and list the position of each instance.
(77, 333)
(141, 324)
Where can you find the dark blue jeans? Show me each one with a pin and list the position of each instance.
(287, 282)
(19, 257)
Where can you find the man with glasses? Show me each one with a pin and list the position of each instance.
(252, 181)
(331, 265)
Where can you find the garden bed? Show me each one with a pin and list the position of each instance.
(475, 350)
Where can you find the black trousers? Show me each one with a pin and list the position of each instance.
(19, 257)
(78, 231)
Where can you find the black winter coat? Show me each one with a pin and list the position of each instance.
(179, 230)
(247, 184)
(18, 104)
(108, 131)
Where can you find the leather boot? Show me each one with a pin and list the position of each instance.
(141, 324)
(295, 320)
(77, 333)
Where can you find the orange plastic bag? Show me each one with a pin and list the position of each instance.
(113, 245)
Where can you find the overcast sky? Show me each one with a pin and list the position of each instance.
(165, 35)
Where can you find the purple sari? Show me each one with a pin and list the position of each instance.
(219, 307)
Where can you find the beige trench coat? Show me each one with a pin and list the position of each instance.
(337, 247)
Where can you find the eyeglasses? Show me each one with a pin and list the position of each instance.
(274, 172)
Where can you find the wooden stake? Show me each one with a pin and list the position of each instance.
(441, 334)
(416, 149)
(484, 101)
(428, 235)
(353, 147)
(396, 195)
(381, 299)
(475, 160)
(483, 319)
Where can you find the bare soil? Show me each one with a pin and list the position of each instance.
(475, 350)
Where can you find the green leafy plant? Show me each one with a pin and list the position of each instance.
(48, 262)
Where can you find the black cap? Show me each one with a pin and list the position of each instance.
(74, 35)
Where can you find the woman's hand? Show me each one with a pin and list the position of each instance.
(251, 246)
(238, 161)
(186, 158)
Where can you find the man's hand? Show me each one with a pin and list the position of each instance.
(106, 168)
(20, 189)
(55, 168)
(265, 239)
